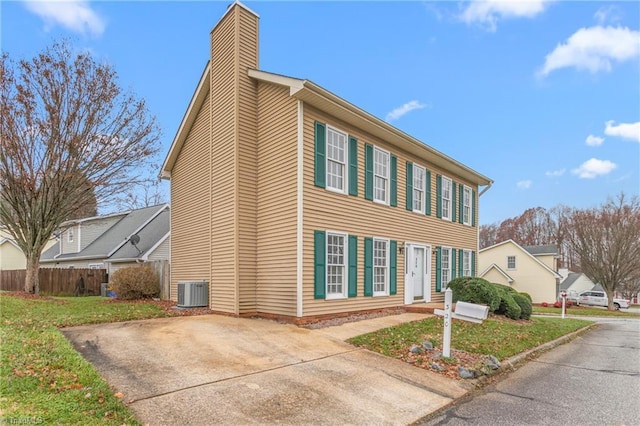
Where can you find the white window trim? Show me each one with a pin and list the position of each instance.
(387, 191)
(515, 263)
(345, 178)
(96, 266)
(387, 267)
(345, 284)
(424, 192)
(443, 180)
(70, 235)
(444, 284)
(467, 272)
(466, 190)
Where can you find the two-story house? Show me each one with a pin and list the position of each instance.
(292, 202)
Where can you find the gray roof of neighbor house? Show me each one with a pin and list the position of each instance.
(151, 221)
(571, 278)
(149, 236)
(538, 250)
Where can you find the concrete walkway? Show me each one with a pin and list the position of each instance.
(213, 369)
(353, 329)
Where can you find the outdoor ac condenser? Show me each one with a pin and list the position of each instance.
(193, 294)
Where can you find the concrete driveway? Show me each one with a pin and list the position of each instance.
(213, 369)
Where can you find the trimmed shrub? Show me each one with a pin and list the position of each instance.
(527, 296)
(475, 290)
(508, 307)
(525, 305)
(135, 282)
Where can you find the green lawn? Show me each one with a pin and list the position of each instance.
(42, 378)
(584, 311)
(499, 337)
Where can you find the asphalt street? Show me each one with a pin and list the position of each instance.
(592, 380)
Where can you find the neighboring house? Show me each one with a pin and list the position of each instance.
(574, 283)
(529, 269)
(105, 241)
(293, 202)
(11, 256)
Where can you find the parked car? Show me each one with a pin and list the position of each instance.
(599, 298)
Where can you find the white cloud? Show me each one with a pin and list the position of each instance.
(606, 14)
(594, 140)
(593, 49)
(487, 13)
(594, 167)
(404, 109)
(555, 173)
(623, 130)
(76, 15)
(524, 184)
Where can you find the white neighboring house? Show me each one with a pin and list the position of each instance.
(105, 241)
(574, 283)
(528, 269)
(11, 256)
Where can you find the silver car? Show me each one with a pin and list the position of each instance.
(599, 298)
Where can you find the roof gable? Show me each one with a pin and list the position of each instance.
(525, 252)
(499, 269)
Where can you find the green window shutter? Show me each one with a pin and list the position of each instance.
(453, 201)
(473, 263)
(368, 266)
(461, 204)
(393, 267)
(353, 266)
(428, 194)
(353, 166)
(473, 208)
(319, 265)
(460, 262)
(320, 166)
(394, 182)
(438, 268)
(409, 186)
(453, 263)
(438, 196)
(368, 171)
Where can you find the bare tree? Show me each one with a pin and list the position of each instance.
(69, 134)
(488, 235)
(146, 193)
(607, 241)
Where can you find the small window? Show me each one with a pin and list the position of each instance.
(380, 267)
(419, 184)
(336, 160)
(381, 176)
(511, 262)
(466, 263)
(70, 235)
(336, 265)
(445, 267)
(446, 198)
(466, 206)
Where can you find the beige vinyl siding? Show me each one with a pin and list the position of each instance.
(247, 159)
(277, 194)
(494, 276)
(11, 257)
(326, 210)
(162, 251)
(549, 260)
(70, 247)
(190, 206)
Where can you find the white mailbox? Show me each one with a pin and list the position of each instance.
(471, 312)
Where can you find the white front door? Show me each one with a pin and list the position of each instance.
(417, 277)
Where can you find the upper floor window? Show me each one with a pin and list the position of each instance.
(466, 205)
(445, 266)
(380, 267)
(419, 185)
(70, 235)
(466, 263)
(381, 176)
(511, 262)
(337, 151)
(336, 265)
(446, 198)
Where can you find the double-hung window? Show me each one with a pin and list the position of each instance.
(336, 265)
(445, 265)
(419, 185)
(381, 170)
(466, 205)
(466, 263)
(511, 262)
(70, 235)
(337, 154)
(380, 267)
(446, 198)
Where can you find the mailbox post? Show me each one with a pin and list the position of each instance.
(564, 302)
(464, 311)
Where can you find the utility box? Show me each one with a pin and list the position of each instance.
(193, 294)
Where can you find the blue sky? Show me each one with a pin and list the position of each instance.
(542, 97)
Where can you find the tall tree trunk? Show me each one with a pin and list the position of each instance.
(32, 280)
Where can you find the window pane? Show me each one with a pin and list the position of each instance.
(335, 264)
(336, 159)
(380, 253)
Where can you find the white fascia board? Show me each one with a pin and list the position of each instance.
(156, 245)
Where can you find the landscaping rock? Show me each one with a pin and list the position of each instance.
(492, 362)
(427, 345)
(437, 367)
(415, 349)
(466, 373)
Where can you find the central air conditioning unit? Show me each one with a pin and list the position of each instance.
(193, 294)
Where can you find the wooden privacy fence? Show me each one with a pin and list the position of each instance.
(56, 281)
